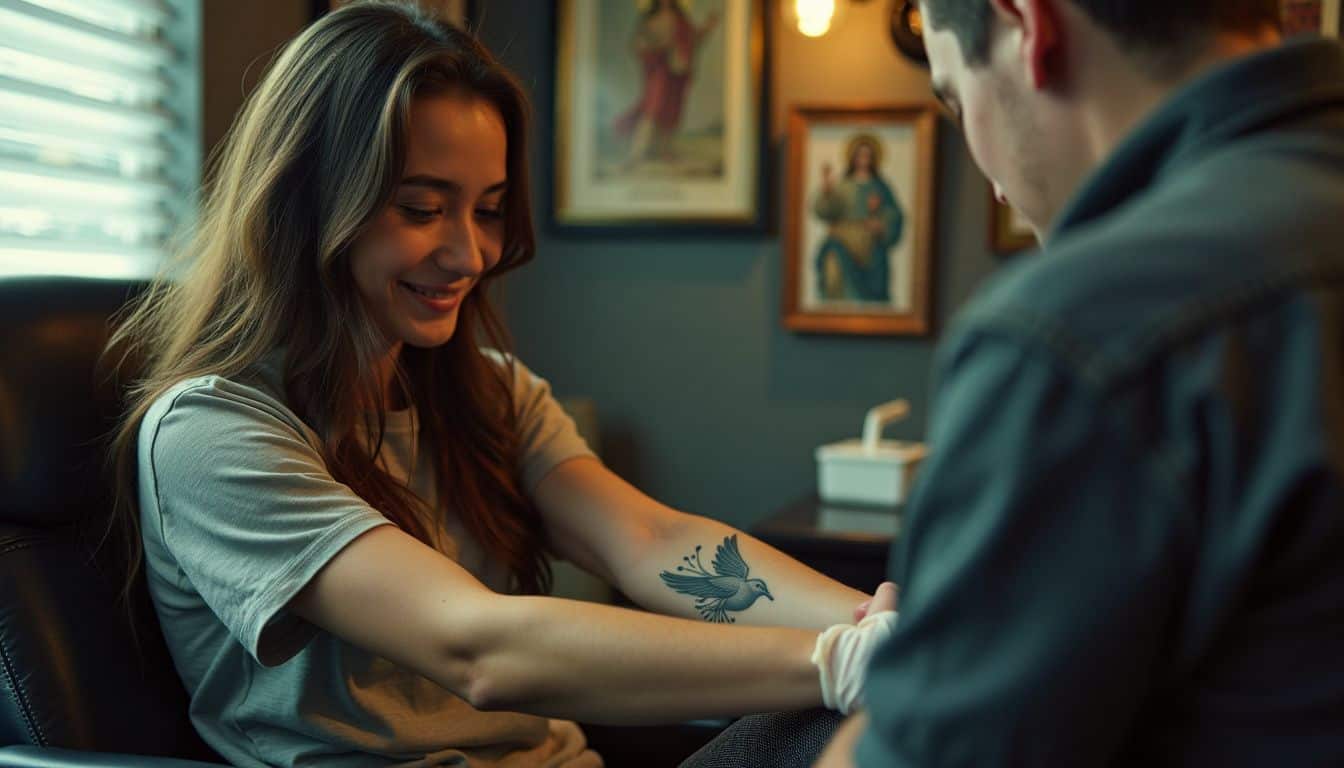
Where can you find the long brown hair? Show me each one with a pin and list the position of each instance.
(267, 265)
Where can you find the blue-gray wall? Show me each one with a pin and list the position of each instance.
(705, 401)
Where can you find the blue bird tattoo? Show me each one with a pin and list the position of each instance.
(727, 589)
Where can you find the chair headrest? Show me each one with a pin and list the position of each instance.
(56, 409)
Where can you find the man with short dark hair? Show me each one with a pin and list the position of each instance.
(1127, 547)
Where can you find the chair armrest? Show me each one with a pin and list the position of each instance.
(50, 757)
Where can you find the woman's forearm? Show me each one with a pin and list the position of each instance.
(688, 570)
(670, 562)
(602, 664)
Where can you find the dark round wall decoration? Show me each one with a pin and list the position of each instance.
(907, 30)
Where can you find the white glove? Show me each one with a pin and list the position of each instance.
(841, 655)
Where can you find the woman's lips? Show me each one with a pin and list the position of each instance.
(442, 300)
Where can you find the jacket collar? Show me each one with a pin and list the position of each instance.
(1232, 100)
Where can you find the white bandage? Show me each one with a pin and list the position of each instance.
(841, 656)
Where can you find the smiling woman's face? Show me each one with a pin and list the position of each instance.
(444, 227)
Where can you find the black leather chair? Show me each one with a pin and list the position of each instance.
(75, 688)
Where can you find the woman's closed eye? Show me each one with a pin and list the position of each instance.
(417, 214)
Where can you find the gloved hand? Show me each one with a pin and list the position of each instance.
(885, 598)
(841, 656)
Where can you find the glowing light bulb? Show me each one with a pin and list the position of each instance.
(814, 16)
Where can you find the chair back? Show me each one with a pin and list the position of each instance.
(72, 672)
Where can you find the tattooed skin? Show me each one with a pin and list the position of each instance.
(727, 589)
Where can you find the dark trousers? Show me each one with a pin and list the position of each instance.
(775, 740)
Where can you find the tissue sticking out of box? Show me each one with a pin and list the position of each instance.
(870, 470)
(877, 420)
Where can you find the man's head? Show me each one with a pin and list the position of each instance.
(1045, 88)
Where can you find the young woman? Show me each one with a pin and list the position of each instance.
(343, 496)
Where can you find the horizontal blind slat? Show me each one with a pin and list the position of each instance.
(78, 149)
(60, 30)
(148, 13)
(145, 225)
(79, 183)
(21, 256)
(36, 104)
(32, 60)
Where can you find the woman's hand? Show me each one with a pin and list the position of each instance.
(884, 599)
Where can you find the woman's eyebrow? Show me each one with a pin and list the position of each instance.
(447, 185)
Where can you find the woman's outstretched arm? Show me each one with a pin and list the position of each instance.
(393, 596)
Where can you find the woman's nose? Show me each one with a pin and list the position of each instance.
(459, 247)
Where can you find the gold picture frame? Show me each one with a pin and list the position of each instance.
(1311, 17)
(1008, 231)
(859, 221)
(659, 114)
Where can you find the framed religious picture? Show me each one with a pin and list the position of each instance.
(659, 116)
(457, 11)
(1319, 17)
(1009, 232)
(858, 224)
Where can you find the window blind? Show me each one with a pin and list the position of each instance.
(99, 133)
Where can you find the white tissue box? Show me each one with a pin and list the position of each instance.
(870, 470)
(846, 472)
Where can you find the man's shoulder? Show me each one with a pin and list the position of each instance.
(1236, 234)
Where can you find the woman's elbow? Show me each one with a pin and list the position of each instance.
(484, 667)
(482, 693)
(490, 694)
(491, 687)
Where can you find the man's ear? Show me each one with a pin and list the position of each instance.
(1038, 22)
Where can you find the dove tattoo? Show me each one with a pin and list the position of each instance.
(727, 589)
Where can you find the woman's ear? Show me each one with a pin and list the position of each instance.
(1040, 42)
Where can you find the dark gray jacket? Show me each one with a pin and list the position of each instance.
(1128, 545)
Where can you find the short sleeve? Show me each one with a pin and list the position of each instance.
(547, 434)
(246, 507)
